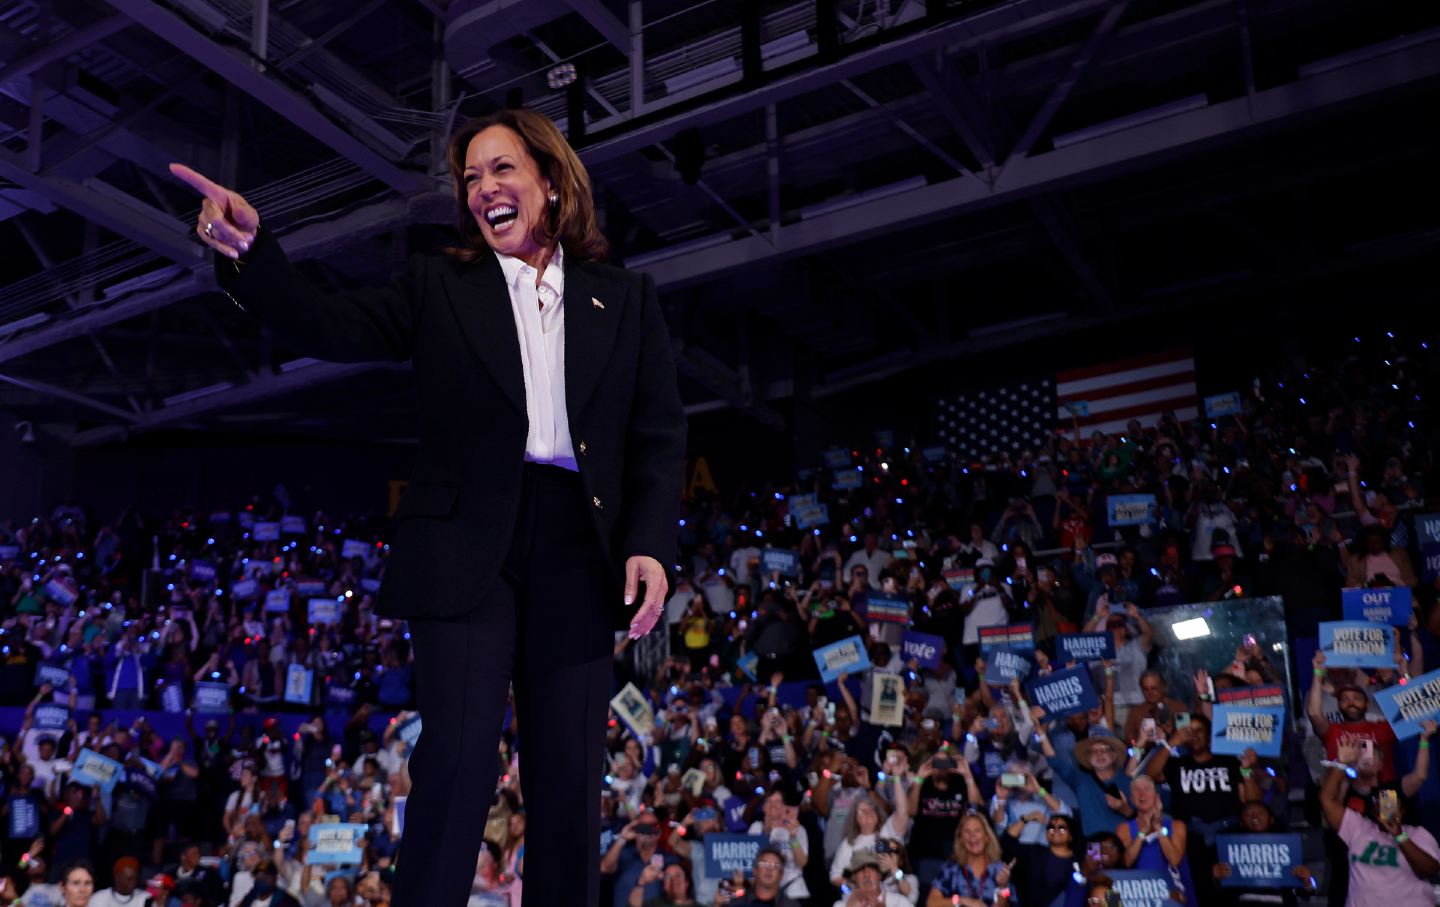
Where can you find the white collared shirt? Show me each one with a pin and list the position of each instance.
(540, 324)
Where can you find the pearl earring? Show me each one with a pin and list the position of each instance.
(554, 198)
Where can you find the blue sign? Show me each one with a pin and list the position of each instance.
(836, 457)
(245, 589)
(370, 584)
(24, 818)
(266, 532)
(1223, 405)
(293, 524)
(1007, 652)
(848, 656)
(212, 697)
(203, 571)
(9, 553)
(1260, 861)
(735, 814)
(1357, 644)
(95, 770)
(747, 663)
(1005, 665)
(1378, 606)
(277, 601)
(245, 518)
(1429, 561)
(51, 716)
(1079, 408)
(310, 587)
(299, 682)
(355, 548)
(409, 732)
(1084, 648)
(1237, 728)
(923, 648)
(172, 699)
(57, 676)
(847, 480)
(220, 516)
(1130, 509)
(779, 560)
(1142, 887)
(343, 696)
(323, 611)
(811, 515)
(1063, 693)
(59, 592)
(336, 844)
(1427, 528)
(726, 855)
(1405, 707)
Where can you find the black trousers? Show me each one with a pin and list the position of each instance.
(548, 626)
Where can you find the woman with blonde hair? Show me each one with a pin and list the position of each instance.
(550, 466)
(975, 875)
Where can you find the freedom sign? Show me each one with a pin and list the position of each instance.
(1142, 887)
(1084, 648)
(1260, 861)
(848, 656)
(1006, 650)
(1236, 728)
(1357, 644)
(923, 648)
(336, 843)
(1378, 606)
(1063, 693)
(95, 770)
(1130, 509)
(727, 854)
(1405, 707)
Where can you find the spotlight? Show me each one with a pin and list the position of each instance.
(561, 76)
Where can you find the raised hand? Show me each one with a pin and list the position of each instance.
(227, 222)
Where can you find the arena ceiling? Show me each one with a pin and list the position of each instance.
(827, 193)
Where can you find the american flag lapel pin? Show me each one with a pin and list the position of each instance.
(597, 303)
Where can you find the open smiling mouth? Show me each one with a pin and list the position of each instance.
(501, 217)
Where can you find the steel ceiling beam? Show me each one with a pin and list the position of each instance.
(75, 41)
(60, 393)
(294, 107)
(1084, 161)
(605, 22)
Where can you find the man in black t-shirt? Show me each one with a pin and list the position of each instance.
(1206, 792)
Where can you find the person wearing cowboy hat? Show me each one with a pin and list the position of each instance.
(866, 884)
(1093, 771)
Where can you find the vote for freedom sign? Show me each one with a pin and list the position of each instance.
(1357, 644)
(1406, 706)
(1237, 728)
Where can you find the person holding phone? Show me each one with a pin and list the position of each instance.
(1390, 862)
(781, 824)
(1022, 806)
(945, 788)
(634, 849)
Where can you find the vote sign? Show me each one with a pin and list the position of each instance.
(1260, 861)
(923, 648)
(336, 843)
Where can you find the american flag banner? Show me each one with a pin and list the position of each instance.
(1105, 397)
(1007, 417)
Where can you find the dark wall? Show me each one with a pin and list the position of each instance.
(34, 476)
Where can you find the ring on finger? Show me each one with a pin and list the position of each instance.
(208, 227)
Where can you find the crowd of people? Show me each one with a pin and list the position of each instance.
(184, 649)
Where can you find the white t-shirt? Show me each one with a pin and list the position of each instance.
(1380, 876)
(791, 880)
(989, 611)
(874, 562)
(718, 595)
(106, 897)
(862, 844)
(740, 563)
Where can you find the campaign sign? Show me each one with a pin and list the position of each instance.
(1006, 650)
(1265, 694)
(1378, 606)
(726, 855)
(1236, 728)
(1080, 408)
(887, 609)
(1130, 509)
(336, 844)
(409, 732)
(95, 770)
(1222, 405)
(804, 500)
(1260, 861)
(340, 696)
(59, 592)
(310, 587)
(634, 709)
(202, 571)
(212, 697)
(1430, 561)
(848, 656)
(245, 589)
(847, 480)
(246, 519)
(354, 548)
(51, 716)
(1063, 693)
(323, 611)
(960, 580)
(294, 524)
(887, 700)
(747, 663)
(836, 457)
(1142, 887)
(58, 676)
(172, 699)
(1427, 528)
(1084, 648)
(810, 516)
(1357, 644)
(24, 819)
(1405, 707)
(781, 561)
(1005, 665)
(299, 681)
(735, 815)
(277, 601)
(923, 648)
(266, 532)
(9, 553)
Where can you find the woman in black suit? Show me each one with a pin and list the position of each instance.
(552, 444)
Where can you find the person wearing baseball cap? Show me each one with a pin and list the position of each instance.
(866, 883)
(1353, 703)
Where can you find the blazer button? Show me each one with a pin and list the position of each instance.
(598, 505)
(582, 448)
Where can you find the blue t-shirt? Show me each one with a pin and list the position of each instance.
(627, 873)
(1095, 814)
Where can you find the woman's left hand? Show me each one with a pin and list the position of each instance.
(642, 569)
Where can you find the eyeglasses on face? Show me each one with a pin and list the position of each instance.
(1056, 828)
(769, 864)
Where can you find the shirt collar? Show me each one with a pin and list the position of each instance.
(554, 276)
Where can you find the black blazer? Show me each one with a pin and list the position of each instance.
(455, 521)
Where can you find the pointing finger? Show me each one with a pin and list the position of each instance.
(202, 184)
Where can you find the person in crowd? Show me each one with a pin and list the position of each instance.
(77, 884)
(265, 891)
(1046, 870)
(869, 821)
(1353, 703)
(1094, 771)
(974, 873)
(1256, 818)
(674, 884)
(1155, 706)
(122, 892)
(780, 824)
(945, 789)
(866, 887)
(634, 850)
(766, 889)
(1153, 840)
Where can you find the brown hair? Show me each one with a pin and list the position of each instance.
(572, 218)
